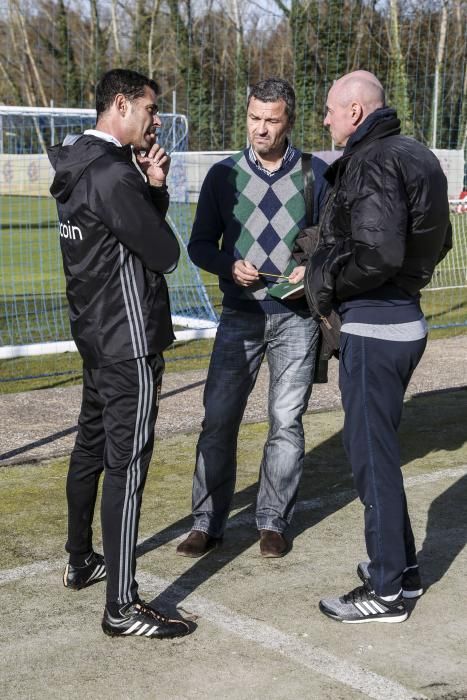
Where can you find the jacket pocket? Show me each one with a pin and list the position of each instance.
(345, 354)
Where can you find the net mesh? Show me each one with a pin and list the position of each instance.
(32, 295)
(205, 54)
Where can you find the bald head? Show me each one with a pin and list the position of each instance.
(362, 86)
(350, 100)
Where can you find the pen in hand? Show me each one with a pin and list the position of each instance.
(270, 274)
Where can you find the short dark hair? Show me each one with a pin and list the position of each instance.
(272, 90)
(126, 82)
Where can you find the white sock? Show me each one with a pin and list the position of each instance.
(390, 598)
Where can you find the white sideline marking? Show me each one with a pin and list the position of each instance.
(240, 519)
(266, 636)
(436, 476)
(409, 481)
(350, 495)
(318, 660)
(29, 570)
(288, 645)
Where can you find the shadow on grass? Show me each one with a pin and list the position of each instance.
(430, 424)
(446, 532)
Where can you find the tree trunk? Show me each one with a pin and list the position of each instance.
(398, 87)
(29, 54)
(238, 137)
(439, 61)
(115, 36)
(154, 14)
(460, 22)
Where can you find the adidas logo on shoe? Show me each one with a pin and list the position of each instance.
(141, 620)
(363, 605)
(92, 571)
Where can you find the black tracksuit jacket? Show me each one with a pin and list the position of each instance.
(115, 245)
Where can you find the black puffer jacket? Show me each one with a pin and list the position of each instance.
(386, 222)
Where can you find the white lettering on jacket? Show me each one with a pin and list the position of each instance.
(69, 231)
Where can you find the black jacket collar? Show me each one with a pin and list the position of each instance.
(379, 124)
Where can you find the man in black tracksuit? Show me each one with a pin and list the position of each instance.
(116, 245)
(385, 227)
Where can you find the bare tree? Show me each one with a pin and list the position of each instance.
(439, 61)
(115, 32)
(154, 14)
(98, 41)
(19, 25)
(398, 86)
(460, 13)
(210, 51)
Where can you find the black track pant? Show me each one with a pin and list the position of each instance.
(373, 377)
(115, 435)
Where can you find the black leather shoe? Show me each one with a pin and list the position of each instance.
(142, 620)
(197, 543)
(272, 544)
(92, 571)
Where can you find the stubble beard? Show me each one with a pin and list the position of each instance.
(263, 150)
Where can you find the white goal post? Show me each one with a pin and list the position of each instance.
(33, 313)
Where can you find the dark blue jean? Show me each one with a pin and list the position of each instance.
(373, 377)
(289, 343)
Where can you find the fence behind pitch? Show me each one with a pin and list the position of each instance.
(33, 309)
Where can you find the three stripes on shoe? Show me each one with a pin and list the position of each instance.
(98, 572)
(370, 607)
(140, 629)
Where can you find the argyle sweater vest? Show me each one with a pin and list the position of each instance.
(253, 216)
(270, 211)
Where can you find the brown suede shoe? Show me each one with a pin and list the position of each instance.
(272, 544)
(197, 543)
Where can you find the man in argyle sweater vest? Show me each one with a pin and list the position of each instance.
(253, 202)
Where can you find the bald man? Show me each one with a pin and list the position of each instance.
(385, 228)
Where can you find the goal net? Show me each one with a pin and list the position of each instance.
(33, 307)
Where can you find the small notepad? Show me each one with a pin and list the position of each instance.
(285, 289)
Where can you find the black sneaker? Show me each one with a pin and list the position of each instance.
(411, 581)
(363, 605)
(141, 620)
(92, 571)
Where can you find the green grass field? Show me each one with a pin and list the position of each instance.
(259, 631)
(33, 305)
(173, 457)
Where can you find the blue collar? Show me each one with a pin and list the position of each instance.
(288, 155)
